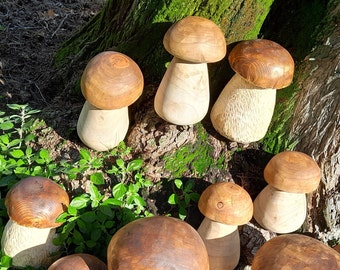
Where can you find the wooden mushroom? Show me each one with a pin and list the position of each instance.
(244, 109)
(183, 94)
(295, 252)
(79, 261)
(281, 206)
(225, 206)
(33, 205)
(110, 83)
(157, 242)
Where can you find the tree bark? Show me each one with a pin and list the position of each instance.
(316, 130)
(309, 121)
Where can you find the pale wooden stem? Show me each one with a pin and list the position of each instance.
(280, 211)
(183, 95)
(222, 242)
(29, 246)
(102, 130)
(243, 112)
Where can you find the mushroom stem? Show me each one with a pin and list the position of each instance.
(222, 242)
(280, 211)
(243, 111)
(29, 246)
(100, 129)
(183, 95)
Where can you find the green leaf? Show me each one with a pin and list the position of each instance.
(77, 237)
(112, 201)
(6, 125)
(5, 261)
(88, 217)
(80, 202)
(189, 186)
(119, 190)
(95, 235)
(106, 210)
(45, 154)
(195, 196)
(120, 163)
(134, 165)
(62, 217)
(85, 154)
(17, 153)
(72, 210)
(173, 198)
(178, 183)
(97, 178)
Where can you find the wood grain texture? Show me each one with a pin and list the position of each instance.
(242, 112)
(102, 130)
(79, 261)
(111, 80)
(158, 242)
(295, 252)
(195, 39)
(293, 171)
(280, 211)
(263, 62)
(182, 97)
(36, 202)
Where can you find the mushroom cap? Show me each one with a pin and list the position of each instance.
(227, 203)
(293, 171)
(295, 252)
(195, 39)
(157, 242)
(80, 261)
(36, 202)
(263, 63)
(111, 80)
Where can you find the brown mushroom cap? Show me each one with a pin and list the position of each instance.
(295, 252)
(36, 202)
(293, 171)
(263, 63)
(226, 203)
(111, 80)
(195, 39)
(157, 242)
(80, 261)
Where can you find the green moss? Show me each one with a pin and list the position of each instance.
(194, 159)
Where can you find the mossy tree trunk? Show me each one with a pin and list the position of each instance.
(136, 28)
(309, 120)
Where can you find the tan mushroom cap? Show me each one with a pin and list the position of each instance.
(295, 252)
(226, 203)
(263, 63)
(80, 261)
(111, 80)
(195, 39)
(157, 242)
(36, 202)
(293, 171)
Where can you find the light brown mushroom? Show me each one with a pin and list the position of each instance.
(33, 205)
(244, 109)
(225, 206)
(295, 252)
(79, 261)
(281, 206)
(183, 96)
(157, 242)
(110, 83)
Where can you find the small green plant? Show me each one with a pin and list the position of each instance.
(93, 217)
(183, 196)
